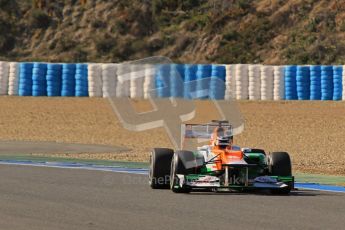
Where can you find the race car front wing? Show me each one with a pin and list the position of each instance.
(209, 181)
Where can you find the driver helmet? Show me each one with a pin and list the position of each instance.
(224, 141)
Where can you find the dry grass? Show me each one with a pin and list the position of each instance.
(312, 132)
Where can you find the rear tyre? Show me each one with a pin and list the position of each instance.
(280, 165)
(184, 162)
(160, 161)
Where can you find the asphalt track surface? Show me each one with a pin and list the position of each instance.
(52, 198)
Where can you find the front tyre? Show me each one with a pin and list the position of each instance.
(279, 164)
(160, 161)
(184, 163)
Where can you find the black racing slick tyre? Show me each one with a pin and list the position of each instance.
(280, 165)
(160, 162)
(184, 163)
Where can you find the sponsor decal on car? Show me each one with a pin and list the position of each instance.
(203, 181)
(265, 179)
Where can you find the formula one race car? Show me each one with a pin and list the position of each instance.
(219, 166)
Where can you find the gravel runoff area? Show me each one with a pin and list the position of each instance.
(313, 132)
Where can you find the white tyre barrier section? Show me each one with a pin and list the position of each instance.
(123, 80)
(109, 79)
(13, 79)
(254, 73)
(278, 83)
(4, 72)
(95, 80)
(242, 82)
(266, 83)
(149, 81)
(230, 82)
(137, 76)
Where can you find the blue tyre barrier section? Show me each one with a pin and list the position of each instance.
(337, 83)
(25, 79)
(315, 82)
(68, 80)
(54, 81)
(189, 81)
(303, 83)
(162, 80)
(326, 82)
(290, 83)
(176, 80)
(39, 81)
(217, 84)
(203, 76)
(81, 81)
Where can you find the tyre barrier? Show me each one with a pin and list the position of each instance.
(162, 80)
(68, 80)
(4, 72)
(190, 81)
(241, 81)
(94, 75)
(25, 79)
(230, 82)
(203, 79)
(337, 82)
(290, 83)
(217, 84)
(39, 81)
(123, 80)
(109, 79)
(137, 77)
(343, 84)
(149, 81)
(267, 82)
(303, 83)
(254, 86)
(326, 83)
(315, 82)
(13, 79)
(278, 83)
(54, 80)
(176, 80)
(81, 81)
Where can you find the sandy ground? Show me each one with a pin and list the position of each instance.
(312, 132)
(16, 148)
